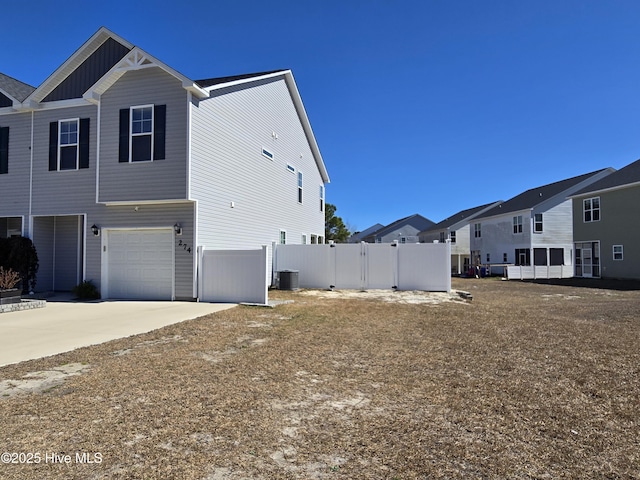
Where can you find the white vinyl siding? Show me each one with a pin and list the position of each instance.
(227, 132)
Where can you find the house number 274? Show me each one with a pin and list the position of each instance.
(184, 246)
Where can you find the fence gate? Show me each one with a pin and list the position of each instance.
(366, 266)
(233, 276)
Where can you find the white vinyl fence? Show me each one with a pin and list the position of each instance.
(532, 272)
(365, 266)
(233, 276)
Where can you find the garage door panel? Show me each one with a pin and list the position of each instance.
(140, 264)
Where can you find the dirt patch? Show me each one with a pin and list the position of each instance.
(390, 296)
(40, 381)
(526, 381)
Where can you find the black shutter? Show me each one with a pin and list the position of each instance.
(84, 143)
(53, 146)
(4, 150)
(123, 151)
(159, 126)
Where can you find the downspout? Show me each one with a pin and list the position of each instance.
(30, 179)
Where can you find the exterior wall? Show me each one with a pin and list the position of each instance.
(406, 231)
(146, 216)
(617, 226)
(244, 199)
(156, 180)
(14, 186)
(64, 192)
(498, 237)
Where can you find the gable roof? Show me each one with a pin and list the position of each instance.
(209, 82)
(464, 215)
(626, 176)
(356, 237)
(416, 220)
(14, 89)
(535, 196)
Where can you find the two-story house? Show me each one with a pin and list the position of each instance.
(606, 229)
(118, 167)
(456, 230)
(534, 228)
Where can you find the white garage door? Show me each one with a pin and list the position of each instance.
(140, 264)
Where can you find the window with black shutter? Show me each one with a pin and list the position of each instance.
(142, 133)
(4, 150)
(69, 144)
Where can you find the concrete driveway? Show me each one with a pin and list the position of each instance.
(62, 326)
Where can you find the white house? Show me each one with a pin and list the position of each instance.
(534, 228)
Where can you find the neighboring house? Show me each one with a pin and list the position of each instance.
(456, 229)
(358, 236)
(606, 230)
(533, 228)
(404, 230)
(118, 167)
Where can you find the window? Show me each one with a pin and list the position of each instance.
(291, 168)
(556, 256)
(504, 258)
(540, 256)
(4, 150)
(442, 237)
(322, 198)
(452, 235)
(537, 223)
(477, 232)
(304, 239)
(267, 153)
(488, 257)
(618, 253)
(591, 209)
(142, 133)
(69, 144)
(320, 239)
(283, 237)
(299, 187)
(517, 224)
(403, 239)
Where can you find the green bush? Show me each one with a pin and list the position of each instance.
(19, 254)
(86, 291)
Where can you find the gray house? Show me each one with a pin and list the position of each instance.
(606, 230)
(534, 228)
(456, 229)
(118, 167)
(404, 230)
(358, 236)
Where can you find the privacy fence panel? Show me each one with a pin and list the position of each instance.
(233, 276)
(368, 266)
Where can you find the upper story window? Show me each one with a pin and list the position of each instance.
(591, 209)
(142, 133)
(299, 187)
(537, 223)
(517, 224)
(477, 230)
(69, 144)
(283, 237)
(452, 236)
(4, 150)
(322, 198)
(442, 237)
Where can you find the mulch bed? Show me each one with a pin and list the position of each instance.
(528, 380)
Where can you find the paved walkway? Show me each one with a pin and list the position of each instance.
(63, 325)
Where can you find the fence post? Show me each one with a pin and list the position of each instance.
(200, 257)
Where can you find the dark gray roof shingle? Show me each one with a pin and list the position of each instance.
(625, 176)
(209, 82)
(17, 89)
(536, 196)
(464, 214)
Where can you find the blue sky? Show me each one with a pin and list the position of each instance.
(424, 107)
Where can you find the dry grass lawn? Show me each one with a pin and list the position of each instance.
(525, 381)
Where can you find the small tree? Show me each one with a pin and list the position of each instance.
(334, 228)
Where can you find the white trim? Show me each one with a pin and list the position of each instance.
(613, 251)
(145, 202)
(77, 144)
(98, 128)
(189, 140)
(31, 175)
(196, 261)
(142, 134)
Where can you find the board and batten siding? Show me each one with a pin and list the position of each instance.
(244, 198)
(14, 185)
(154, 180)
